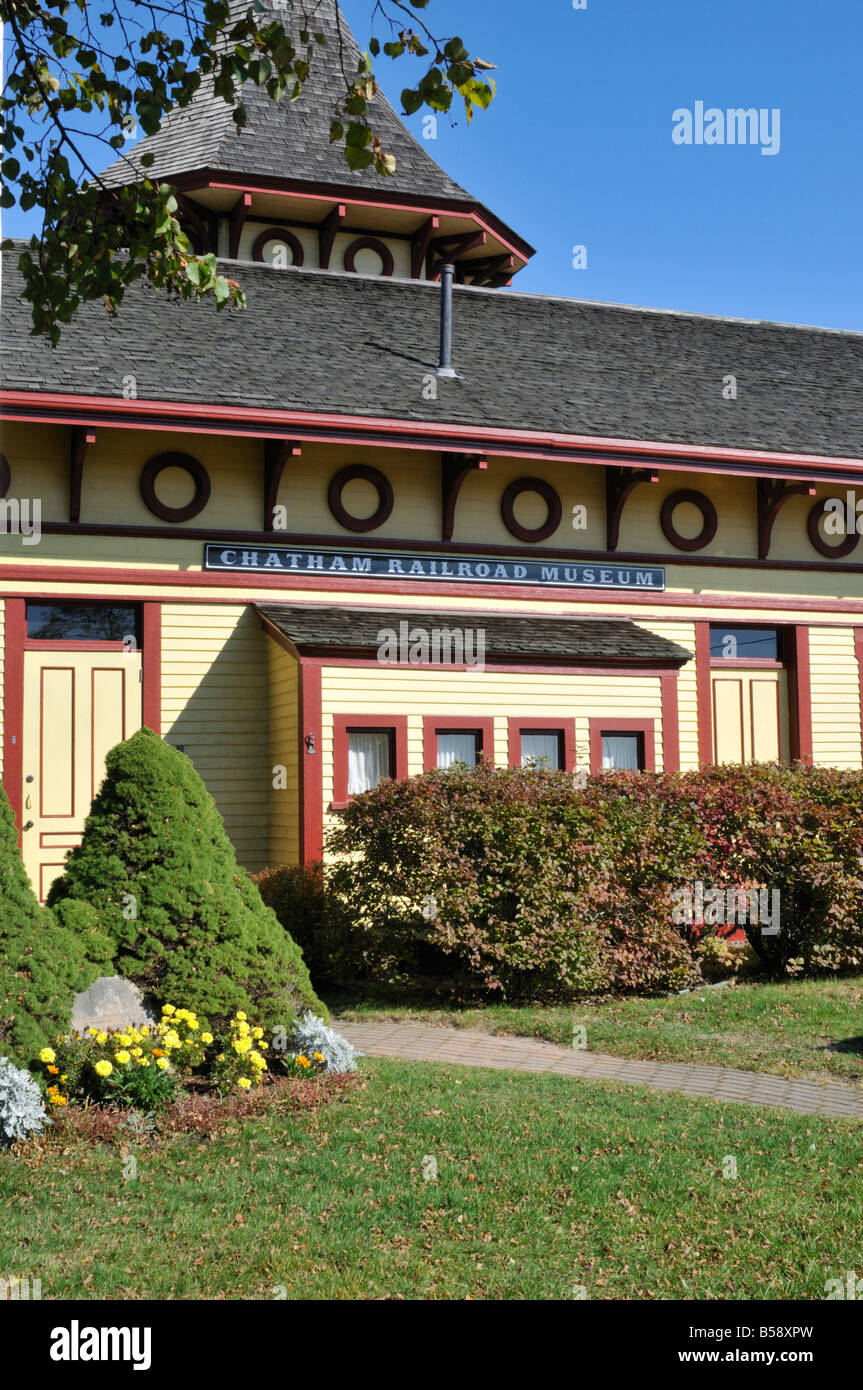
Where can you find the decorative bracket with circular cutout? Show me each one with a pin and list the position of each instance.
(196, 471)
(708, 516)
(360, 472)
(549, 496)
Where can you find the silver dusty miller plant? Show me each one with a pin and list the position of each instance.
(311, 1034)
(22, 1111)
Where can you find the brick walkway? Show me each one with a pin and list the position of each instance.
(421, 1043)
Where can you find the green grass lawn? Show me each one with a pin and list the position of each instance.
(545, 1184)
(797, 1028)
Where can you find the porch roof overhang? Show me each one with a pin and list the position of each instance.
(320, 630)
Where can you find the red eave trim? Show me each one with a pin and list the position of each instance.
(48, 407)
(345, 193)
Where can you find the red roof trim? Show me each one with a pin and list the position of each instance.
(48, 407)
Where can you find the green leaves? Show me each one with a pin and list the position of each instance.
(124, 78)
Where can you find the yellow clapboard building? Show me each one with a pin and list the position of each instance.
(312, 545)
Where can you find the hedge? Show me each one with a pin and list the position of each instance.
(520, 884)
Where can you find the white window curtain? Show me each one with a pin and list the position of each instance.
(540, 750)
(456, 748)
(368, 759)
(620, 752)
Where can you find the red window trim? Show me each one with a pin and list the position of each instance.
(552, 726)
(398, 723)
(468, 724)
(646, 727)
(745, 663)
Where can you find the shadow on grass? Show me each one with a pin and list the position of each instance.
(854, 1045)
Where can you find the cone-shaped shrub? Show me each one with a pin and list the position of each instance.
(42, 963)
(188, 924)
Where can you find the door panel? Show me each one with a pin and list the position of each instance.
(77, 705)
(728, 720)
(750, 716)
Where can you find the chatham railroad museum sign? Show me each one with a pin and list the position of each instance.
(385, 565)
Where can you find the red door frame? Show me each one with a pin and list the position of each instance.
(16, 644)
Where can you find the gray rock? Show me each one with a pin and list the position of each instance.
(110, 1003)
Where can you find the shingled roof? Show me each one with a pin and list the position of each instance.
(289, 140)
(562, 639)
(339, 344)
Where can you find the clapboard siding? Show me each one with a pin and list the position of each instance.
(215, 705)
(284, 830)
(835, 677)
(419, 693)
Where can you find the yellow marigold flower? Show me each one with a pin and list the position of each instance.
(206, 1037)
(244, 1082)
(47, 1054)
(168, 1009)
(257, 1032)
(103, 1068)
(92, 1032)
(162, 1063)
(136, 1051)
(145, 1032)
(192, 1023)
(123, 1039)
(221, 1057)
(101, 1039)
(122, 1057)
(64, 1078)
(58, 1100)
(240, 1016)
(143, 1061)
(242, 1045)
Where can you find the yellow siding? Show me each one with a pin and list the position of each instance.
(683, 633)
(419, 692)
(215, 704)
(835, 697)
(284, 836)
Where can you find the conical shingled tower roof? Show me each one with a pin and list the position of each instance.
(290, 140)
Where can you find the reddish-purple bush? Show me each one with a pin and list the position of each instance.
(527, 886)
(519, 883)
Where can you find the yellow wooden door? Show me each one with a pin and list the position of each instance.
(750, 716)
(77, 705)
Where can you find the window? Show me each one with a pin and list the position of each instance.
(454, 747)
(452, 740)
(371, 758)
(542, 749)
(622, 753)
(542, 743)
(745, 643)
(367, 749)
(83, 622)
(622, 745)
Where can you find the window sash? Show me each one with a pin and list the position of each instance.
(622, 753)
(370, 759)
(541, 748)
(457, 746)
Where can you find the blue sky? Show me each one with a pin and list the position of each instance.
(577, 149)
